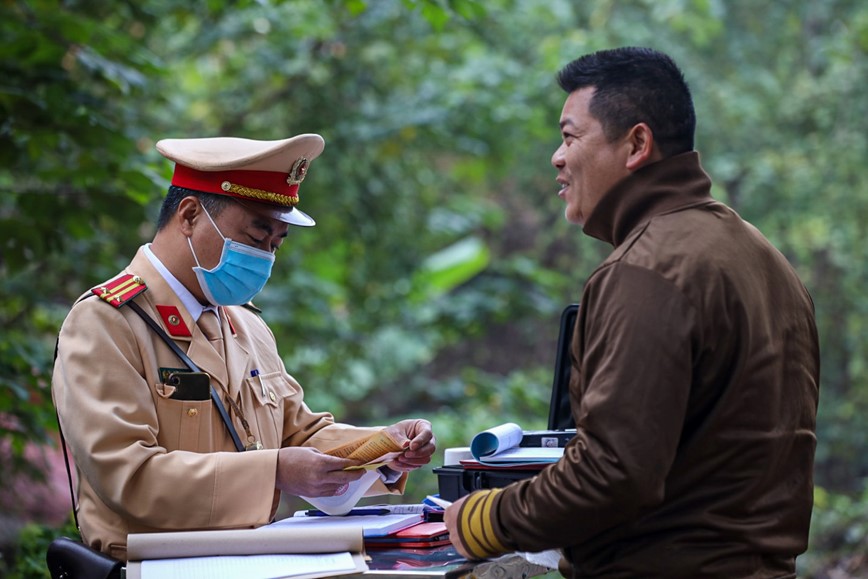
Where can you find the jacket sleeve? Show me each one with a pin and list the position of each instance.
(631, 381)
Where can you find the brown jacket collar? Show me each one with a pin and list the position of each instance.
(671, 184)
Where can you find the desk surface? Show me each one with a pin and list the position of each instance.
(444, 562)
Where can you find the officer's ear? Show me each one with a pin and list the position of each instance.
(188, 211)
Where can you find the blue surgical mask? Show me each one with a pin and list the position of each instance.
(240, 275)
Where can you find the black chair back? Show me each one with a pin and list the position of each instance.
(70, 559)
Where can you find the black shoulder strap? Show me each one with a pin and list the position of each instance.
(68, 469)
(66, 456)
(252, 307)
(190, 364)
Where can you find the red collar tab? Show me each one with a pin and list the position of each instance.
(173, 321)
(263, 186)
(120, 290)
(229, 319)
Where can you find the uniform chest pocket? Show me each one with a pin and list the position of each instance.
(183, 424)
(189, 385)
(268, 392)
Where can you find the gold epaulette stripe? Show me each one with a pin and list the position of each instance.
(126, 289)
(127, 294)
(122, 287)
(260, 194)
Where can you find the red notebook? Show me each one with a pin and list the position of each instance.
(419, 535)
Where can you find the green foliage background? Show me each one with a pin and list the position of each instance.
(433, 282)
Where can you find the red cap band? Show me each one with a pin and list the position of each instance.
(262, 186)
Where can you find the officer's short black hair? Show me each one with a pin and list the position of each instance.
(212, 203)
(635, 85)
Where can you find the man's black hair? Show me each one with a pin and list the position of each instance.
(212, 203)
(635, 85)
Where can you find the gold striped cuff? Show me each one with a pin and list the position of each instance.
(476, 525)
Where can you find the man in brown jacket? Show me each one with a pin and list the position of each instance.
(695, 360)
(149, 437)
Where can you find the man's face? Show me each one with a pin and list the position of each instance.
(241, 223)
(588, 164)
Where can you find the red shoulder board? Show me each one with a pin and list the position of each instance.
(120, 290)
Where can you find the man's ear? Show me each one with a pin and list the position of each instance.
(188, 210)
(642, 147)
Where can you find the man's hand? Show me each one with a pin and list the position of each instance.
(450, 517)
(418, 440)
(304, 471)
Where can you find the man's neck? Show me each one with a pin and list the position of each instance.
(172, 251)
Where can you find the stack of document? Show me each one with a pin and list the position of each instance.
(304, 546)
(265, 553)
(418, 536)
(373, 525)
(499, 447)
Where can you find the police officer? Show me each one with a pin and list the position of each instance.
(162, 446)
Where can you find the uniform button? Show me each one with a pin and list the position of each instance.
(272, 396)
(191, 412)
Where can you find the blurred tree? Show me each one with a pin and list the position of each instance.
(434, 279)
(72, 179)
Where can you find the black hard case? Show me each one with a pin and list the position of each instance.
(455, 481)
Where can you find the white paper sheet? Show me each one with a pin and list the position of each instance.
(343, 503)
(247, 566)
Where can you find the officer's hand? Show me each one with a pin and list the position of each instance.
(422, 443)
(450, 517)
(304, 471)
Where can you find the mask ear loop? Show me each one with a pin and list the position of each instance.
(220, 233)
(193, 251)
(208, 215)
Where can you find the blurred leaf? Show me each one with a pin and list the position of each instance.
(454, 265)
(433, 281)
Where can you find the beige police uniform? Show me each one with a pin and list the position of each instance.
(149, 462)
